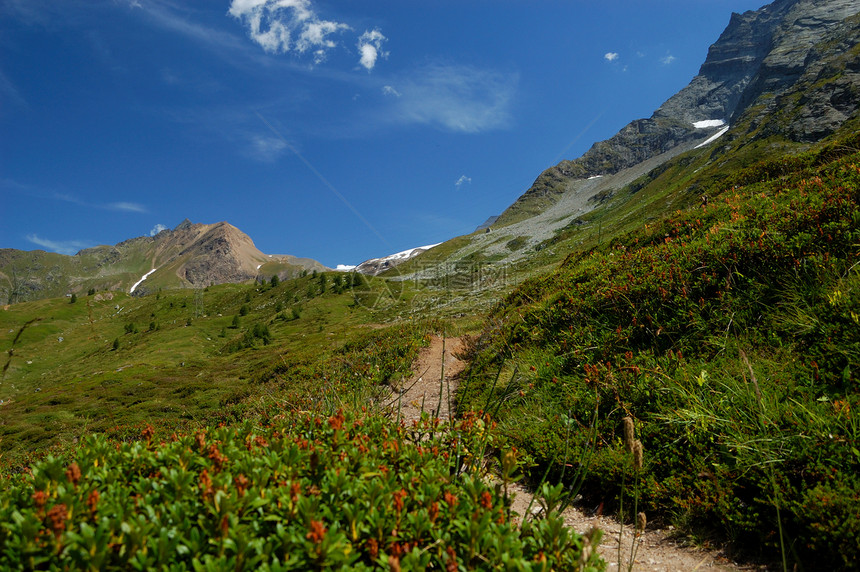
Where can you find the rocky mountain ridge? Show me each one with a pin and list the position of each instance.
(189, 255)
(798, 56)
(777, 80)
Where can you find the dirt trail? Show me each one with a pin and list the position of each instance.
(423, 389)
(656, 552)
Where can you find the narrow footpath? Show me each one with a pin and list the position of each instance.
(436, 374)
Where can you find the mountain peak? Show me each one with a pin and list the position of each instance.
(184, 225)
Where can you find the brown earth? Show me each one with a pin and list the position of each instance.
(437, 372)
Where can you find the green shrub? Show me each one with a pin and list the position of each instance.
(296, 493)
(732, 334)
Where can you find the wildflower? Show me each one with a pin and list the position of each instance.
(57, 519)
(450, 499)
(451, 564)
(394, 563)
(216, 457)
(433, 511)
(93, 500)
(336, 421)
(317, 532)
(628, 433)
(40, 499)
(73, 474)
(398, 499)
(486, 499)
(205, 483)
(200, 439)
(641, 521)
(147, 433)
(637, 454)
(242, 484)
(295, 490)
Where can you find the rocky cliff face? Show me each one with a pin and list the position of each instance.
(790, 68)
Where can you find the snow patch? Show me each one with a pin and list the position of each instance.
(144, 277)
(345, 267)
(713, 137)
(595, 177)
(258, 266)
(406, 254)
(708, 123)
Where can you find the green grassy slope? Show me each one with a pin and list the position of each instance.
(185, 357)
(235, 426)
(730, 333)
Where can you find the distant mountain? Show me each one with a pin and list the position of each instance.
(376, 266)
(792, 57)
(190, 255)
(777, 80)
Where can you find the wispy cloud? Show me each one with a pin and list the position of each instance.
(668, 59)
(166, 16)
(463, 180)
(123, 206)
(62, 246)
(128, 207)
(388, 90)
(455, 98)
(370, 48)
(265, 148)
(610, 56)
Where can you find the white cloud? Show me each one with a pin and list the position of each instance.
(345, 267)
(668, 59)
(129, 207)
(370, 48)
(156, 229)
(265, 148)
(610, 56)
(454, 98)
(463, 180)
(280, 26)
(62, 247)
(388, 90)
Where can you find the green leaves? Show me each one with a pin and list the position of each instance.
(298, 493)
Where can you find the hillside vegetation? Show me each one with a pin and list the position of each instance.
(728, 331)
(110, 362)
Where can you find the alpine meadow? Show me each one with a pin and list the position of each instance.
(664, 330)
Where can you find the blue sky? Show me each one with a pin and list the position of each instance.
(336, 130)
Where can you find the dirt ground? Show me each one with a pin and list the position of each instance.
(437, 371)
